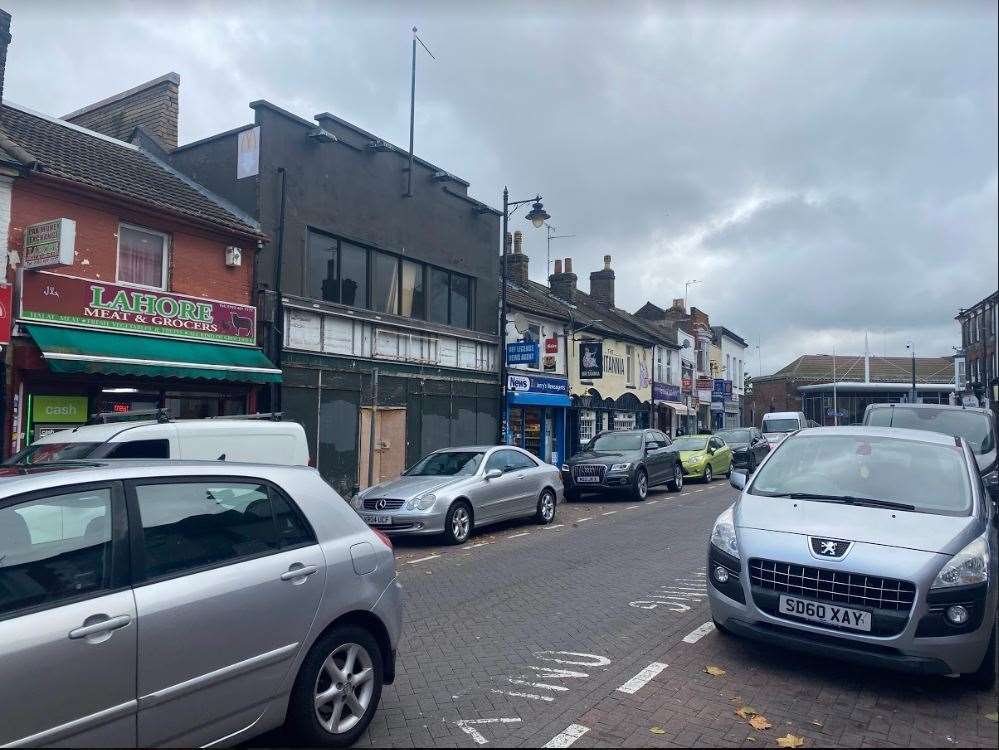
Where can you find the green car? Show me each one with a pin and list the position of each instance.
(703, 456)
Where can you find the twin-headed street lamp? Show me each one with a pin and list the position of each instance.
(537, 216)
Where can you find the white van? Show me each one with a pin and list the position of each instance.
(257, 440)
(777, 425)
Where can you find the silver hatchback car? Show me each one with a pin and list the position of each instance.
(876, 545)
(453, 490)
(188, 604)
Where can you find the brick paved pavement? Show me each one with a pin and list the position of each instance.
(511, 642)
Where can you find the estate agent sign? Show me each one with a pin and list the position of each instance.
(50, 243)
(86, 303)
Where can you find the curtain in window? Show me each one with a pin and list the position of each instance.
(140, 257)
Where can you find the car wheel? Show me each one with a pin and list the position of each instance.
(676, 484)
(707, 474)
(337, 689)
(546, 507)
(728, 471)
(640, 485)
(985, 677)
(458, 523)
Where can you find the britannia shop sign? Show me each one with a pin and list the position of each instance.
(69, 301)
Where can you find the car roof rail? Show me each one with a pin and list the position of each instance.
(109, 417)
(274, 416)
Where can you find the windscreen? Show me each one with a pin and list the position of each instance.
(780, 425)
(447, 464)
(932, 477)
(43, 453)
(973, 426)
(735, 436)
(690, 443)
(625, 441)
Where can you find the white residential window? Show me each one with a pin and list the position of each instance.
(728, 366)
(669, 367)
(143, 256)
(624, 420)
(587, 425)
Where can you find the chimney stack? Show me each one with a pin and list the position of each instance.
(563, 283)
(678, 304)
(517, 263)
(154, 105)
(4, 43)
(602, 283)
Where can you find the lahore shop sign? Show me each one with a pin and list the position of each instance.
(86, 303)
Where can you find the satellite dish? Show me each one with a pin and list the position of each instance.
(520, 323)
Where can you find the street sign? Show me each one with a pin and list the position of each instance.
(50, 243)
(834, 413)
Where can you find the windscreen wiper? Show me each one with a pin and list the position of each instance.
(851, 500)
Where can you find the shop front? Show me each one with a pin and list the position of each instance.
(536, 412)
(669, 411)
(86, 347)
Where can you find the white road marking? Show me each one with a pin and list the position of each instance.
(697, 490)
(554, 526)
(642, 679)
(564, 739)
(556, 673)
(589, 660)
(588, 518)
(472, 732)
(539, 685)
(522, 533)
(422, 559)
(480, 544)
(695, 635)
(631, 507)
(532, 696)
(609, 513)
(652, 502)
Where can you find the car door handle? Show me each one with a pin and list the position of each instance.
(103, 626)
(298, 570)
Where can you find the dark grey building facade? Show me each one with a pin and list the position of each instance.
(370, 279)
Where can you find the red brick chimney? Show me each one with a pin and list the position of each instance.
(154, 105)
(563, 283)
(517, 262)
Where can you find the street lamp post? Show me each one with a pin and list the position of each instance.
(537, 216)
(912, 349)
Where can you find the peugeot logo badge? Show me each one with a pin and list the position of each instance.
(380, 505)
(825, 549)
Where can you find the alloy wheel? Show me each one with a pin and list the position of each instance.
(678, 478)
(460, 523)
(344, 687)
(707, 473)
(547, 506)
(643, 484)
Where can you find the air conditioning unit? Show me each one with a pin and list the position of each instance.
(233, 257)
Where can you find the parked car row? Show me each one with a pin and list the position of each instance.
(876, 544)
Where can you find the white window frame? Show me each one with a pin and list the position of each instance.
(166, 257)
(587, 425)
(628, 418)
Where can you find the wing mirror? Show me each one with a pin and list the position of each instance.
(737, 479)
(992, 485)
(493, 474)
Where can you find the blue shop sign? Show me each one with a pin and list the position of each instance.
(718, 387)
(537, 391)
(666, 392)
(522, 353)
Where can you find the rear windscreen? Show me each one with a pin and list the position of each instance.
(974, 427)
(41, 453)
(780, 425)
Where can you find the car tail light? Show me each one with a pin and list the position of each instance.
(385, 540)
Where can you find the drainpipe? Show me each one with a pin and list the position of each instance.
(277, 332)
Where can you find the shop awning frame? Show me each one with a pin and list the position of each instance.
(75, 350)
(675, 406)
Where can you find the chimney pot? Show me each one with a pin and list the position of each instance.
(518, 242)
(602, 283)
(568, 265)
(558, 266)
(607, 262)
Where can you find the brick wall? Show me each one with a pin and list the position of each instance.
(774, 395)
(153, 105)
(197, 261)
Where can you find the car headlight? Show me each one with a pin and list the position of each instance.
(969, 566)
(723, 533)
(695, 459)
(356, 500)
(565, 467)
(620, 467)
(424, 502)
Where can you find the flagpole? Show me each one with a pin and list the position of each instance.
(412, 118)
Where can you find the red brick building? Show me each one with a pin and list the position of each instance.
(132, 285)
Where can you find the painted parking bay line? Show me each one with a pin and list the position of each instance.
(476, 735)
(421, 559)
(522, 533)
(553, 526)
(564, 739)
(608, 513)
(695, 635)
(642, 679)
(587, 518)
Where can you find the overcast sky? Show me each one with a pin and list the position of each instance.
(823, 170)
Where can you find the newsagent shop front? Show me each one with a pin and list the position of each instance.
(84, 347)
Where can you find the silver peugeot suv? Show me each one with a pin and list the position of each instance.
(876, 545)
(188, 604)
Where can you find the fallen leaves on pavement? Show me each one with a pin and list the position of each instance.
(746, 712)
(790, 740)
(657, 730)
(714, 671)
(992, 717)
(760, 723)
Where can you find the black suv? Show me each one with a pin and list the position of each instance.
(977, 426)
(629, 460)
(748, 445)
